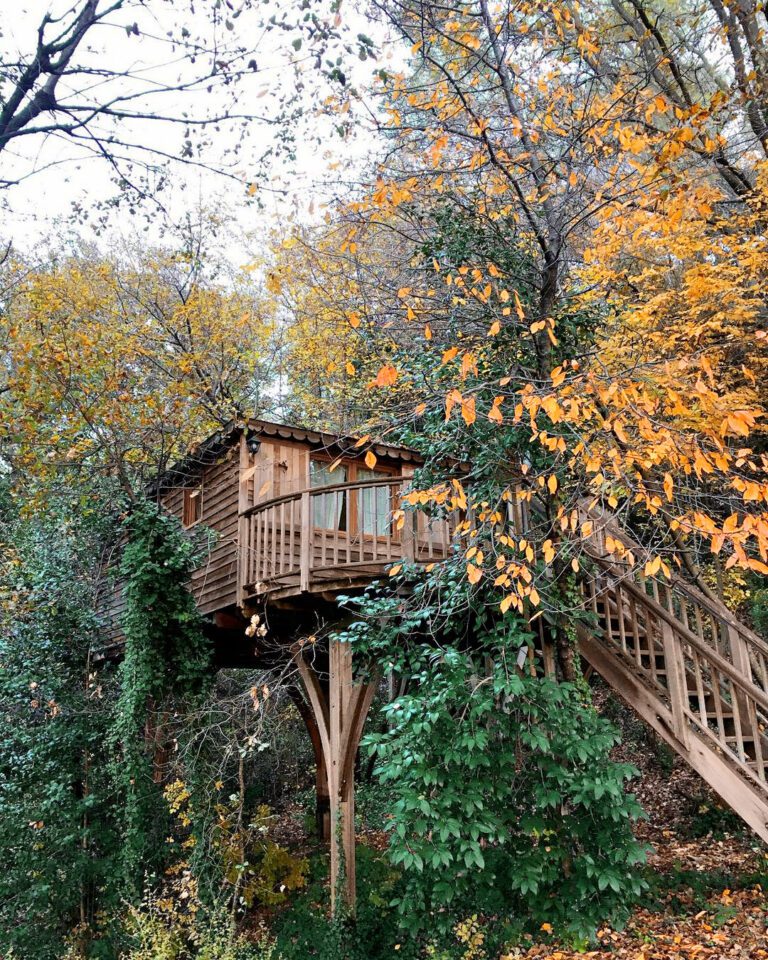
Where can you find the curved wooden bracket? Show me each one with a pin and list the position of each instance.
(339, 717)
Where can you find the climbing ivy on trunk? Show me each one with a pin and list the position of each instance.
(167, 657)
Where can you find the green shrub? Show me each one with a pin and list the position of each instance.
(505, 801)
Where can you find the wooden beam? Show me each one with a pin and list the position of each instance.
(339, 719)
(322, 799)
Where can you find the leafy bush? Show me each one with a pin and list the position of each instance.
(505, 800)
(161, 929)
(304, 930)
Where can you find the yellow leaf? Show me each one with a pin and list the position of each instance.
(652, 567)
(427, 332)
(506, 603)
(393, 571)
(552, 483)
(494, 328)
(474, 574)
(350, 368)
(362, 441)
(370, 460)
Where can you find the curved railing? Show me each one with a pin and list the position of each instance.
(311, 537)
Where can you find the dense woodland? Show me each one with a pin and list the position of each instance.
(543, 256)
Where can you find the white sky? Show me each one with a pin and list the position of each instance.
(39, 210)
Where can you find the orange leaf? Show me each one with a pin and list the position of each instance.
(494, 413)
(386, 376)
(468, 410)
(370, 459)
(474, 574)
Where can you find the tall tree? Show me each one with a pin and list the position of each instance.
(119, 363)
(618, 146)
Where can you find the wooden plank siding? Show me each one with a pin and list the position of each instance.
(214, 583)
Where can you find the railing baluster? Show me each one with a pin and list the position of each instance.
(620, 612)
(306, 544)
(676, 683)
(292, 544)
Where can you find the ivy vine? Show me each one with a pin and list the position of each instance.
(166, 655)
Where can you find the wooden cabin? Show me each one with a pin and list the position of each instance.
(296, 513)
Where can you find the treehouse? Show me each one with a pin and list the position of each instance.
(301, 517)
(298, 516)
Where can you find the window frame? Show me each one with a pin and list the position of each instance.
(192, 506)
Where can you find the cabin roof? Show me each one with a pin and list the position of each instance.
(216, 446)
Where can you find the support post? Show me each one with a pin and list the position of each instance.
(340, 719)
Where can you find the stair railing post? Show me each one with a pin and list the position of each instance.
(745, 706)
(676, 682)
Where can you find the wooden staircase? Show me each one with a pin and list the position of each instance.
(688, 667)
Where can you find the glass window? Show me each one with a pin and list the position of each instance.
(329, 510)
(374, 506)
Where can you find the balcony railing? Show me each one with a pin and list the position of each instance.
(348, 531)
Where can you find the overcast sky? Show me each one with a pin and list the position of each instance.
(39, 210)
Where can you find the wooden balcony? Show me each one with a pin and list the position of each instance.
(331, 538)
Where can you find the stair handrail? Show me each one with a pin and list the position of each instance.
(747, 686)
(676, 582)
